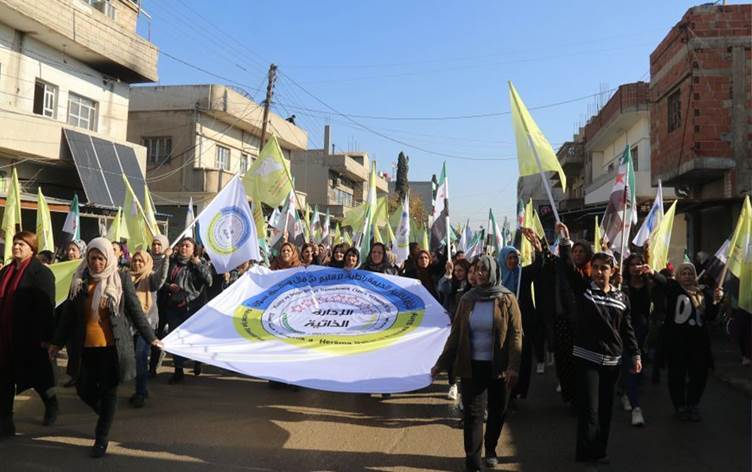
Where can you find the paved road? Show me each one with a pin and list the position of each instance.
(220, 421)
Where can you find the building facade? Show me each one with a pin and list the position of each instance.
(334, 181)
(65, 71)
(197, 138)
(701, 117)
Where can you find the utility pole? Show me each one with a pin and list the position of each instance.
(268, 101)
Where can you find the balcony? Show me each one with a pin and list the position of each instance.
(85, 34)
(620, 113)
(572, 157)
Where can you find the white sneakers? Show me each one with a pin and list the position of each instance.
(540, 368)
(625, 403)
(452, 394)
(550, 358)
(637, 418)
(558, 388)
(746, 361)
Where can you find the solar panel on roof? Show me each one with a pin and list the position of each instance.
(88, 167)
(132, 170)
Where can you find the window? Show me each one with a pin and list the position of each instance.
(223, 158)
(82, 112)
(105, 6)
(243, 163)
(635, 158)
(343, 198)
(674, 111)
(158, 148)
(45, 99)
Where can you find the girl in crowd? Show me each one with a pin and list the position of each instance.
(287, 258)
(377, 261)
(577, 259)
(686, 339)
(519, 281)
(307, 254)
(338, 255)
(452, 286)
(352, 259)
(639, 289)
(101, 298)
(147, 282)
(187, 280)
(27, 301)
(483, 349)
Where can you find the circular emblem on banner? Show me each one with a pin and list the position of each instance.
(331, 309)
(228, 230)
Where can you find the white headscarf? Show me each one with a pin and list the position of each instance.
(108, 281)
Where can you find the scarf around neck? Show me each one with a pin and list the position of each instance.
(492, 289)
(109, 289)
(141, 280)
(509, 278)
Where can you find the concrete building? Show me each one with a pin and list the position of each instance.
(334, 181)
(701, 117)
(197, 138)
(65, 71)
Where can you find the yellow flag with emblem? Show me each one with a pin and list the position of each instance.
(740, 255)
(269, 179)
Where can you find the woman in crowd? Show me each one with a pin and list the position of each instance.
(287, 257)
(484, 348)
(352, 259)
(187, 280)
(147, 282)
(686, 339)
(75, 250)
(338, 255)
(519, 281)
(322, 258)
(121, 252)
(27, 301)
(159, 247)
(577, 259)
(423, 272)
(452, 286)
(101, 298)
(639, 288)
(307, 254)
(377, 261)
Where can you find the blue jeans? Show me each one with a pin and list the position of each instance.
(142, 364)
(632, 381)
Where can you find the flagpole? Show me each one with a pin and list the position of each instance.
(195, 220)
(546, 183)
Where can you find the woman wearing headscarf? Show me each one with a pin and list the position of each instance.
(101, 298)
(188, 278)
(377, 261)
(160, 247)
(147, 282)
(423, 272)
(75, 250)
(575, 257)
(27, 300)
(484, 348)
(519, 281)
(452, 286)
(686, 339)
(287, 257)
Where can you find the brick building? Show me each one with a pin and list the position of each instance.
(701, 118)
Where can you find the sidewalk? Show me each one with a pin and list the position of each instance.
(728, 366)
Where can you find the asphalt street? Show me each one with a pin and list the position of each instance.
(222, 421)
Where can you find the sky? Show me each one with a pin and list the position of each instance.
(412, 76)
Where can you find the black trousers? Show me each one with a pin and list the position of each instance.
(97, 386)
(687, 376)
(8, 394)
(479, 393)
(595, 401)
(565, 369)
(526, 368)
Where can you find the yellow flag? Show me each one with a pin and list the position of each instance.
(337, 234)
(150, 212)
(740, 255)
(660, 240)
(140, 235)
(377, 235)
(390, 237)
(269, 179)
(45, 238)
(531, 141)
(11, 215)
(258, 217)
(347, 238)
(597, 236)
(526, 249)
(424, 240)
(355, 217)
(63, 272)
(118, 230)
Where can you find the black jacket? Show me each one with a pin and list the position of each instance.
(33, 323)
(72, 327)
(193, 280)
(604, 327)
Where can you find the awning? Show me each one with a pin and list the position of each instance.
(101, 165)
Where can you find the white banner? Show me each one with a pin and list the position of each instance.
(320, 327)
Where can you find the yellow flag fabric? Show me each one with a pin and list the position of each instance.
(355, 217)
(45, 238)
(11, 215)
(660, 240)
(377, 235)
(150, 212)
(531, 141)
(337, 238)
(396, 216)
(140, 235)
(526, 249)
(63, 272)
(424, 240)
(597, 236)
(269, 179)
(390, 237)
(118, 230)
(348, 239)
(258, 218)
(740, 255)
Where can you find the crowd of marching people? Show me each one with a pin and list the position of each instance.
(574, 310)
